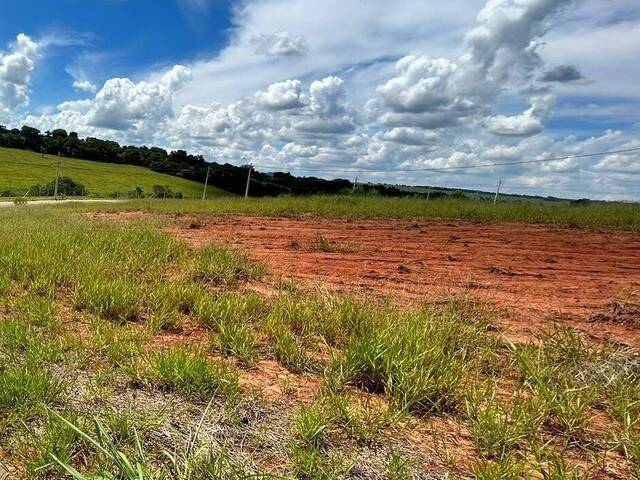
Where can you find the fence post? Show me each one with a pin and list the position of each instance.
(355, 182)
(495, 199)
(246, 190)
(206, 181)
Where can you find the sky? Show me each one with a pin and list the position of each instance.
(409, 91)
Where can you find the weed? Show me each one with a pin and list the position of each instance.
(496, 427)
(289, 350)
(401, 468)
(557, 468)
(55, 437)
(25, 387)
(313, 464)
(117, 300)
(417, 362)
(191, 373)
(363, 419)
(311, 426)
(228, 307)
(119, 344)
(568, 401)
(218, 265)
(321, 244)
(506, 468)
(238, 340)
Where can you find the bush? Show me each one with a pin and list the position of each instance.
(161, 191)
(67, 187)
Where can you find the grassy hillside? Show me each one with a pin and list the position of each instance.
(20, 169)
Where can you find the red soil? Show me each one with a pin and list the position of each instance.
(539, 274)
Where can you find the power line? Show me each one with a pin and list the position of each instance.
(462, 167)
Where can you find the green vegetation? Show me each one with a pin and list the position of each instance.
(624, 216)
(21, 170)
(126, 354)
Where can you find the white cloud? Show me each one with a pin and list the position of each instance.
(410, 136)
(296, 150)
(84, 86)
(121, 103)
(16, 66)
(328, 97)
(281, 96)
(388, 86)
(530, 122)
(280, 44)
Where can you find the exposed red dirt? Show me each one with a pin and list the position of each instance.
(538, 273)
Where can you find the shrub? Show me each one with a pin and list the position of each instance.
(162, 191)
(66, 187)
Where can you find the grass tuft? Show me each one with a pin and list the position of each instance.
(191, 373)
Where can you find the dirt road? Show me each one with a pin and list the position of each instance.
(540, 274)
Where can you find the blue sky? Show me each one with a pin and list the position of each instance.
(323, 88)
(113, 37)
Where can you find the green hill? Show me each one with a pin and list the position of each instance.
(21, 169)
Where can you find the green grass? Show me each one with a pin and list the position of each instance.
(191, 373)
(118, 328)
(595, 215)
(21, 169)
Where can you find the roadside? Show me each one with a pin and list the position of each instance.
(56, 202)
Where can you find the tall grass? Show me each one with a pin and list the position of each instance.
(417, 360)
(596, 215)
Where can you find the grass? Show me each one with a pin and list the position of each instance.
(615, 215)
(111, 338)
(21, 169)
(191, 373)
(417, 361)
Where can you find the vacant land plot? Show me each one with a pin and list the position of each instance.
(146, 346)
(537, 273)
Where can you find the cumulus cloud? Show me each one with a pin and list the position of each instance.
(16, 66)
(296, 150)
(280, 44)
(530, 122)
(505, 42)
(136, 109)
(84, 86)
(562, 74)
(281, 96)
(328, 112)
(410, 136)
(121, 103)
(327, 97)
(423, 94)
(373, 99)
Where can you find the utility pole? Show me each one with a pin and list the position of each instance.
(355, 182)
(428, 193)
(495, 199)
(246, 190)
(206, 181)
(55, 188)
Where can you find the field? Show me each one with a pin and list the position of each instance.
(20, 170)
(319, 338)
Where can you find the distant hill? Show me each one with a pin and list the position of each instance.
(21, 169)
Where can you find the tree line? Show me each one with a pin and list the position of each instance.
(177, 162)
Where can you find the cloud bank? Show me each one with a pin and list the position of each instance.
(286, 94)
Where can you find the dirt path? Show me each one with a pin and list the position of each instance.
(539, 273)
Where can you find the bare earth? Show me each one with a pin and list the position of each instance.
(538, 274)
